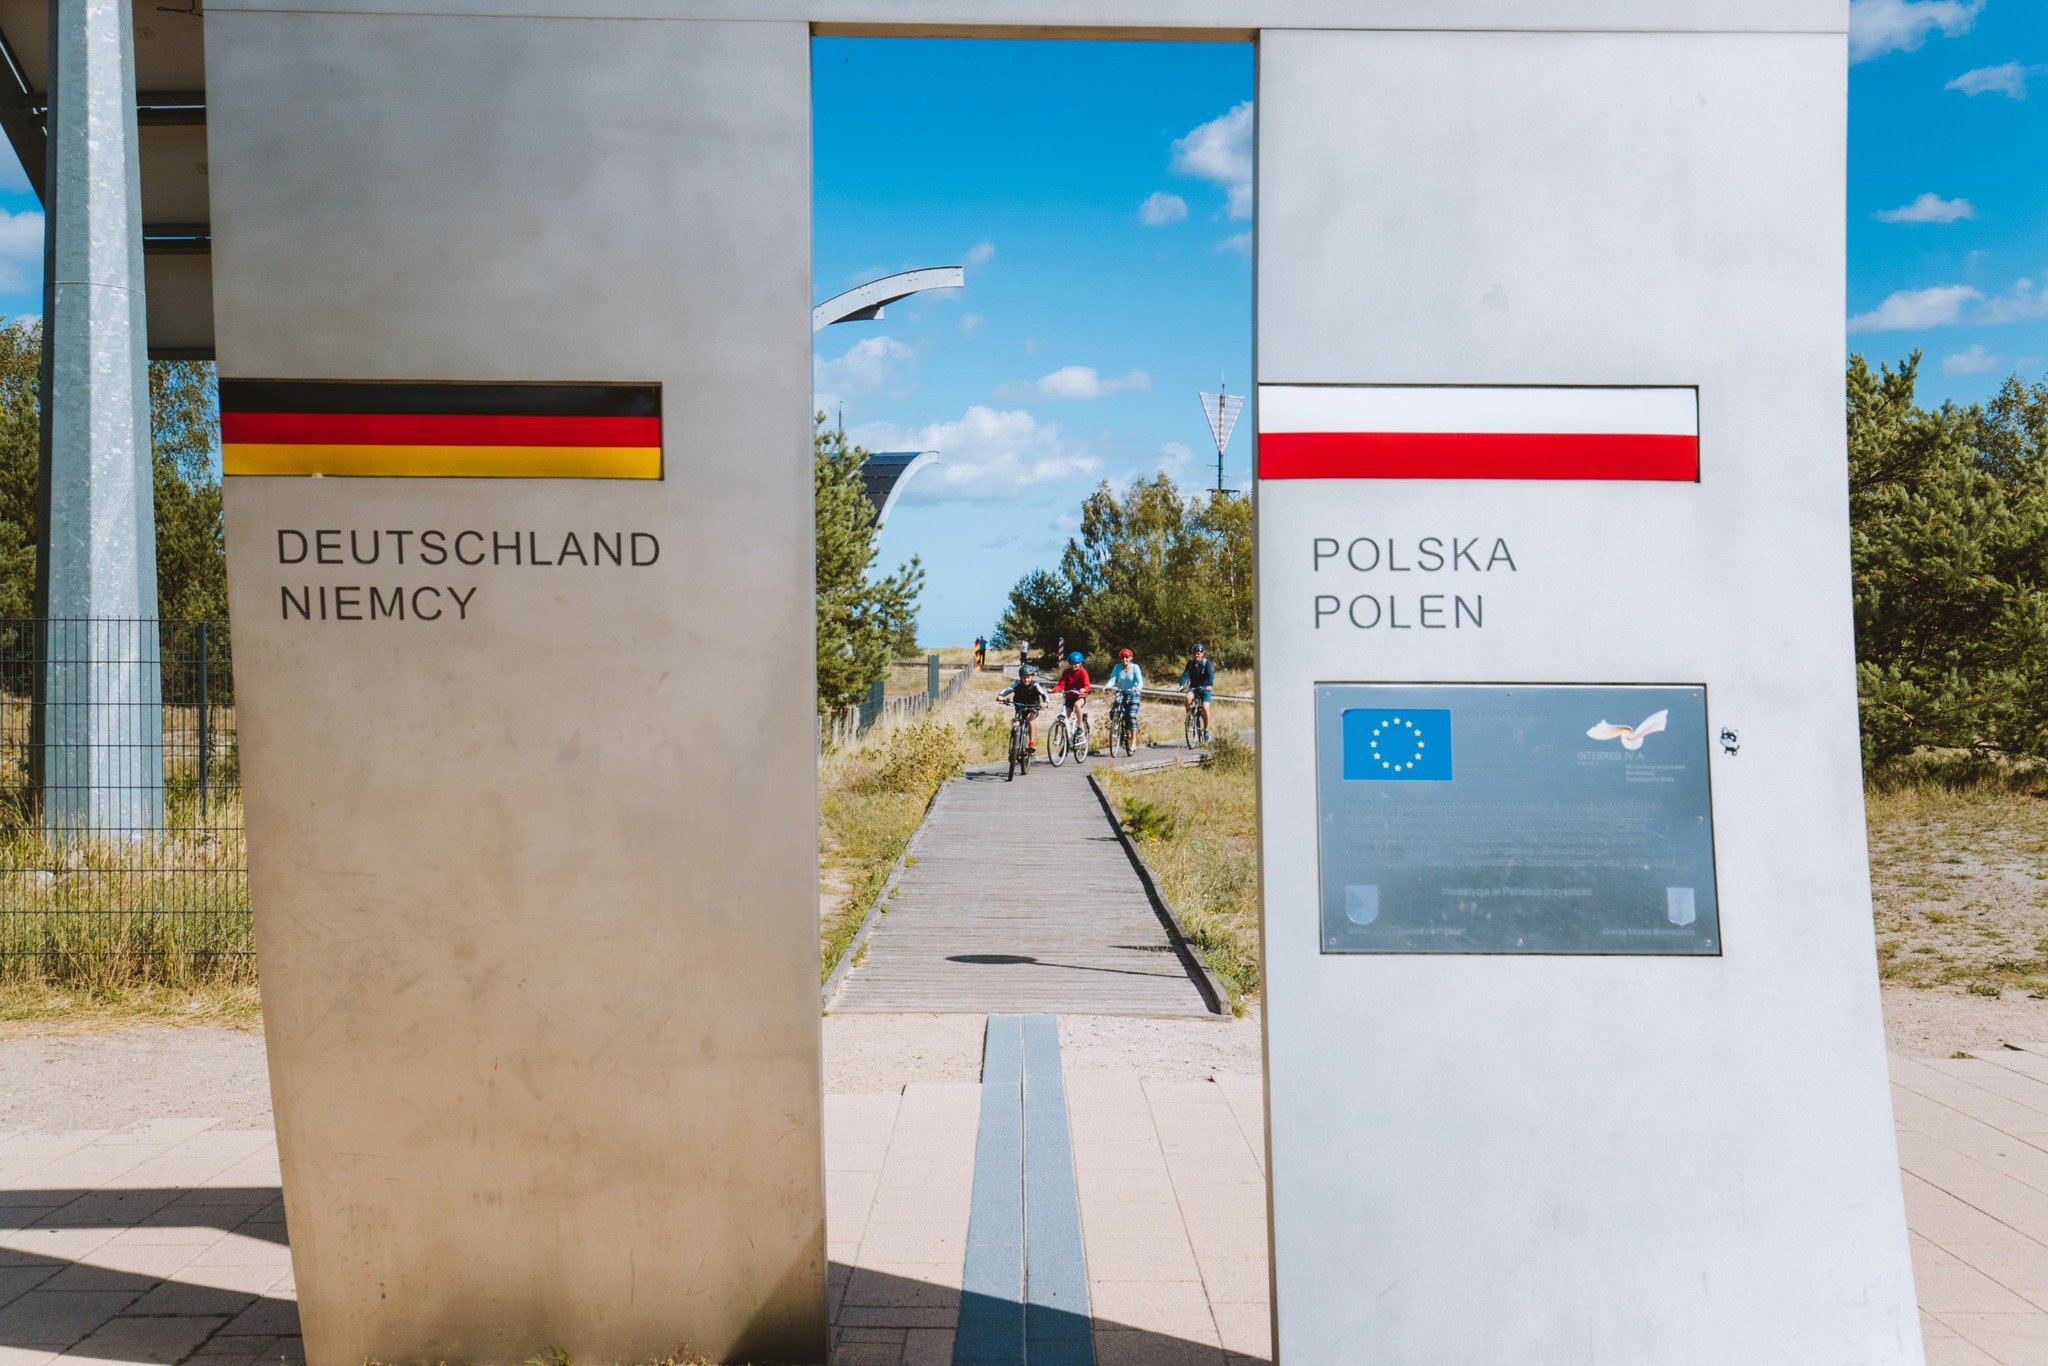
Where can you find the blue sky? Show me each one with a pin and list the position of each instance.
(1948, 192)
(1099, 196)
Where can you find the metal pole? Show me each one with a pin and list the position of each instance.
(205, 736)
(931, 678)
(102, 691)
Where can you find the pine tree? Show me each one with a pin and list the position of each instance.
(1948, 512)
(863, 622)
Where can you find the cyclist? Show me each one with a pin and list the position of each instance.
(1027, 695)
(1074, 686)
(1127, 680)
(1198, 683)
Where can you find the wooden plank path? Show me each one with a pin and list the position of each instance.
(1022, 901)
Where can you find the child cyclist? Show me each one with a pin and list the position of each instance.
(1027, 695)
(1074, 686)
(1127, 681)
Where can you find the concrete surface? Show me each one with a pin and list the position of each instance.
(161, 1241)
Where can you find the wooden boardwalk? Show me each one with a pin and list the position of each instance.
(1022, 901)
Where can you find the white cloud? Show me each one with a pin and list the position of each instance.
(981, 253)
(1880, 26)
(869, 363)
(1081, 381)
(1974, 361)
(1237, 241)
(2025, 303)
(1161, 208)
(1174, 456)
(970, 324)
(21, 251)
(2008, 78)
(1221, 150)
(1909, 308)
(1067, 522)
(1928, 208)
(985, 454)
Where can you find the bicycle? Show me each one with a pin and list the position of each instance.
(1069, 736)
(1020, 745)
(1123, 724)
(1192, 728)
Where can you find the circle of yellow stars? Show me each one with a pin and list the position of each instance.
(1414, 733)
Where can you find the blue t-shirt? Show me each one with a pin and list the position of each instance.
(1127, 677)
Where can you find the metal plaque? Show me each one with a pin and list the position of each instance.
(1509, 819)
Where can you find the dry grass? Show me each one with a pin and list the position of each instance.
(1959, 883)
(27, 1006)
(116, 915)
(872, 794)
(1198, 828)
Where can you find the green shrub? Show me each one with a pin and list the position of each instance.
(1147, 823)
(1230, 755)
(920, 758)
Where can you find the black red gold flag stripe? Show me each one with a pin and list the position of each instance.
(443, 431)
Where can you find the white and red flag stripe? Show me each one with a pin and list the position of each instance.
(1317, 431)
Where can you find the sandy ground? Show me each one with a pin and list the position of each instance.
(870, 1054)
(108, 1078)
(1943, 1021)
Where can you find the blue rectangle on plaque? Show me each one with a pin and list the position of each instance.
(1388, 745)
(1548, 818)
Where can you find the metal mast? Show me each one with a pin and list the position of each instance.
(1221, 410)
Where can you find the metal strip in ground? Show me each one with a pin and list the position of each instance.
(1024, 1289)
(1058, 1330)
(990, 1331)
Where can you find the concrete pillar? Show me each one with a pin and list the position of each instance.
(100, 718)
(931, 677)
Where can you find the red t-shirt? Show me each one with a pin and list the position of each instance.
(1075, 679)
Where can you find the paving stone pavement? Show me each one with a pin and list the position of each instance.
(157, 1243)
(164, 1242)
(1973, 1148)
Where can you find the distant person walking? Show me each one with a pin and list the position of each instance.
(980, 654)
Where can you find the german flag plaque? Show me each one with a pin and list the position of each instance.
(440, 430)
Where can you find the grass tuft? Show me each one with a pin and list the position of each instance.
(1200, 836)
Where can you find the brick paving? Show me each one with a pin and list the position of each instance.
(1973, 1148)
(163, 1242)
(158, 1243)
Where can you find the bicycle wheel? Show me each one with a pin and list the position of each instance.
(1056, 741)
(1017, 754)
(1079, 742)
(1191, 730)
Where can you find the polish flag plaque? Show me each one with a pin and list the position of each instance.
(1312, 431)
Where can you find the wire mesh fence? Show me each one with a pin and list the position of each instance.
(121, 845)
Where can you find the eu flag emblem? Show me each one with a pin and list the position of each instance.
(1397, 744)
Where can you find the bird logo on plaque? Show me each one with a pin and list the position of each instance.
(1631, 737)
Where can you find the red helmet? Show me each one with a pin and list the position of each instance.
(1123, 654)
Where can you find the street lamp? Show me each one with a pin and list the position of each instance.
(867, 301)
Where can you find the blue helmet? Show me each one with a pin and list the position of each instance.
(1075, 658)
(1199, 650)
